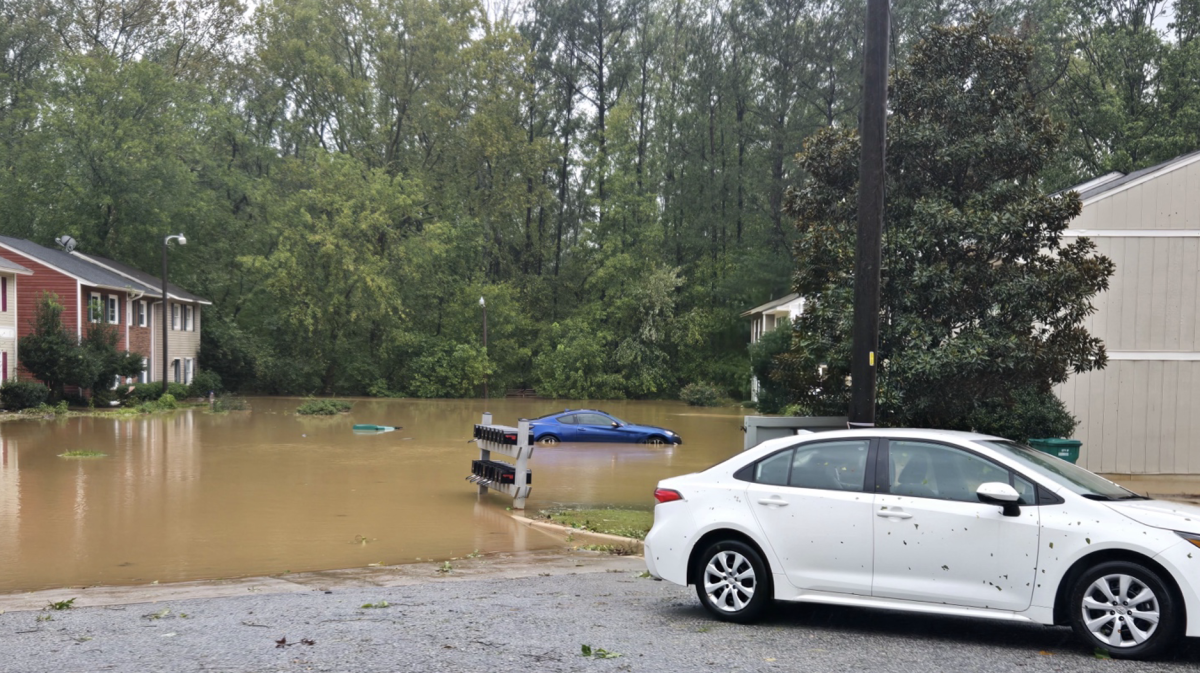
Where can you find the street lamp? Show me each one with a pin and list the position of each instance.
(483, 305)
(167, 305)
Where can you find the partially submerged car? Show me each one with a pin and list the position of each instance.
(931, 521)
(593, 425)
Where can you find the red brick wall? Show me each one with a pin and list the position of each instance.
(139, 340)
(122, 298)
(29, 289)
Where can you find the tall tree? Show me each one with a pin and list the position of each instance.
(983, 303)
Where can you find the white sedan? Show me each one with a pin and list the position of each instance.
(932, 521)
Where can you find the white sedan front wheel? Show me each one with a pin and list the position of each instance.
(733, 582)
(1126, 609)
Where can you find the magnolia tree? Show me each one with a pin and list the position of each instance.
(982, 301)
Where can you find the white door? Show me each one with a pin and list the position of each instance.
(934, 540)
(811, 504)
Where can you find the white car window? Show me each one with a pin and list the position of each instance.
(837, 466)
(774, 470)
(937, 471)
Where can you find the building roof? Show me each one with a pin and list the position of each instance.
(73, 266)
(787, 299)
(1115, 180)
(13, 267)
(141, 277)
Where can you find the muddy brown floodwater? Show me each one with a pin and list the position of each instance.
(191, 495)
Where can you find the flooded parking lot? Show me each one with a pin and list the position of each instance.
(192, 495)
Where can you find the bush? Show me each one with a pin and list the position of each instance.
(230, 403)
(144, 392)
(204, 382)
(16, 395)
(324, 407)
(44, 409)
(702, 395)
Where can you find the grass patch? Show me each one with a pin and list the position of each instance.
(82, 454)
(634, 523)
(314, 407)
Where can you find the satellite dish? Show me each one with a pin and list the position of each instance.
(66, 242)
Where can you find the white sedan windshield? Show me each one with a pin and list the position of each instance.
(1073, 477)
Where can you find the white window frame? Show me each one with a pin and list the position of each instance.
(142, 313)
(144, 375)
(189, 370)
(175, 317)
(188, 322)
(112, 309)
(95, 307)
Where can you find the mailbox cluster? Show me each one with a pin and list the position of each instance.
(498, 472)
(511, 479)
(500, 434)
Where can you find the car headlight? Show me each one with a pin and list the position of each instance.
(1190, 537)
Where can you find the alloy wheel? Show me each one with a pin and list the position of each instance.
(1120, 610)
(729, 581)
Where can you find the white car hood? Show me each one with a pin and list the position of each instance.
(1161, 514)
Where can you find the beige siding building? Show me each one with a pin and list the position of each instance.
(9, 271)
(1141, 414)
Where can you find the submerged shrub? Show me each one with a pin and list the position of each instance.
(702, 394)
(315, 407)
(16, 395)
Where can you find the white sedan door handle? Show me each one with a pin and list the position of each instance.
(773, 501)
(893, 514)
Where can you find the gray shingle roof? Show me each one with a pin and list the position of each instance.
(74, 266)
(1091, 189)
(142, 277)
(12, 267)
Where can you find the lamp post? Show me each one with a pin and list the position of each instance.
(483, 305)
(873, 131)
(167, 305)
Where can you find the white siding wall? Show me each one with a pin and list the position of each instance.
(181, 343)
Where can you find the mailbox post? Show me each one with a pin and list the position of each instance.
(511, 479)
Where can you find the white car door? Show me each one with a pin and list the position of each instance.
(811, 504)
(935, 542)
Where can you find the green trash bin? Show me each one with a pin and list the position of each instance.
(1067, 449)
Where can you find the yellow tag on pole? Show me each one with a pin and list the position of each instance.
(872, 358)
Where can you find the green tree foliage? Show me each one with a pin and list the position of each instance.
(772, 395)
(352, 175)
(983, 303)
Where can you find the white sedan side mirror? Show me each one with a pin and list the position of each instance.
(999, 493)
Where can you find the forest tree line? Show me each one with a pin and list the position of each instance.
(610, 175)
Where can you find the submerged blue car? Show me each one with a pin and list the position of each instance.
(591, 425)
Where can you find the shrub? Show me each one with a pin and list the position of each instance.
(144, 392)
(44, 409)
(203, 382)
(178, 390)
(230, 403)
(16, 395)
(314, 407)
(702, 394)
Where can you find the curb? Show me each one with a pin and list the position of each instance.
(575, 534)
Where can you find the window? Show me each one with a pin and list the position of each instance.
(568, 420)
(188, 314)
(4, 361)
(592, 419)
(935, 471)
(774, 470)
(4, 296)
(95, 308)
(113, 309)
(836, 466)
(141, 314)
(175, 316)
(144, 375)
(187, 370)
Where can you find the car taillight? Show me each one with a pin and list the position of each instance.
(666, 495)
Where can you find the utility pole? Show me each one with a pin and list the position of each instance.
(483, 305)
(873, 133)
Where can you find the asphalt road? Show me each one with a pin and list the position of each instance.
(528, 624)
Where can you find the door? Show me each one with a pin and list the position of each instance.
(810, 502)
(595, 427)
(934, 540)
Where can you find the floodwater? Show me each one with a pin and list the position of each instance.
(191, 495)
